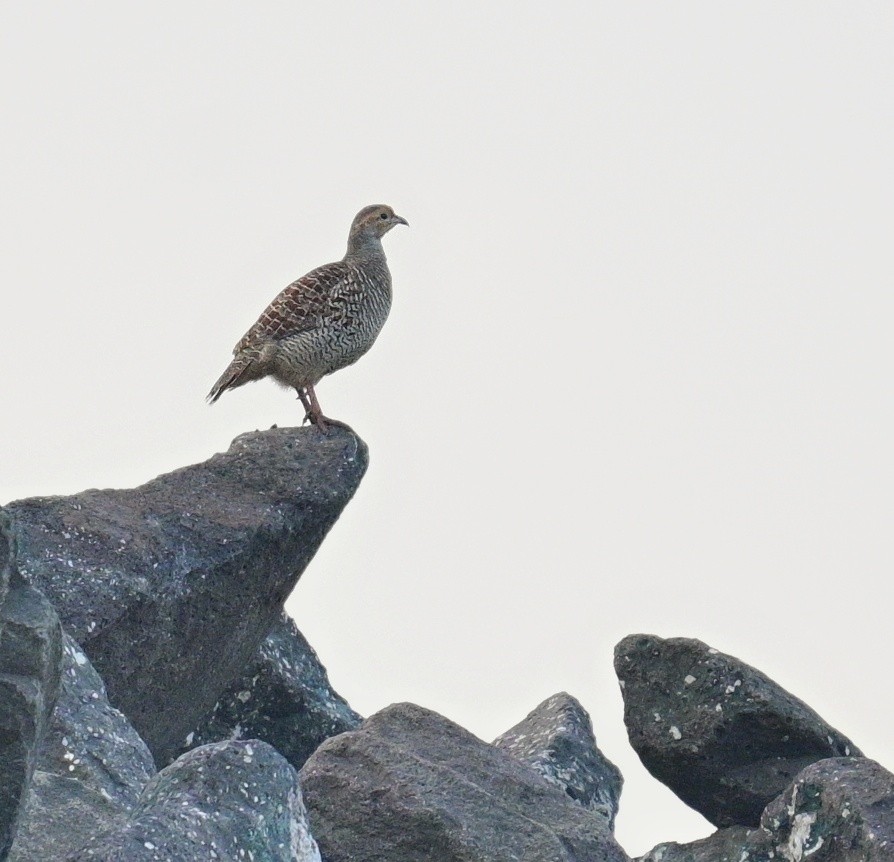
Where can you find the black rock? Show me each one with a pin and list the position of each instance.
(229, 801)
(556, 739)
(283, 697)
(30, 657)
(837, 810)
(171, 587)
(722, 735)
(411, 786)
(725, 845)
(91, 767)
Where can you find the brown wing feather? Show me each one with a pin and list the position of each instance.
(301, 306)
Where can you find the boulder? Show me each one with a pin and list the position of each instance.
(91, 767)
(228, 801)
(836, 810)
(556, 739)
(30, 657)
(412, 786)
(282, 697)
(171, 587)
(725, 845)
(720, 734)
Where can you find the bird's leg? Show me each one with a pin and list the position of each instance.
(308, 407)
(316, 413)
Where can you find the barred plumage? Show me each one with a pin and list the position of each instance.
(322, 322)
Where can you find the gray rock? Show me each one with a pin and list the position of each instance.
(91, 767)
(556, 739)
(411, 786)
(837, 810)
(283, 697)
(229, 801)
(720, 734)
(725, 845)
(30, 656)
(171, 587)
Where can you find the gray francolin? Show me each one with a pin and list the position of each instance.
(322, 322)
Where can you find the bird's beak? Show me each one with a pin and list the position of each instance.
(399, 220)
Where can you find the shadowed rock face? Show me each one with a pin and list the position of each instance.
(411, 786)
(91, 767)
(722, 735)
(171, 587)
(556, 739)
(30, 657)
(230, 801)
(282, 697)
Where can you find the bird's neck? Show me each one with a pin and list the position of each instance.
(363, 246)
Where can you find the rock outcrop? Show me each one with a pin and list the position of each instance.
(411, 786)
(30, 659)
(171, 587)
(556, 739)
(173, 596)
(722, 735)
(91, 767)
(283, 697)
(228, 801)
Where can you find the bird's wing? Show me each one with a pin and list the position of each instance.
(300, 307)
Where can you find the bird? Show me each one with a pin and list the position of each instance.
(321, 322)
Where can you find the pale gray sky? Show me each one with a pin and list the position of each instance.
(637, 374)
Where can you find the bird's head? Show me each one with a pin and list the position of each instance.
(375, 221)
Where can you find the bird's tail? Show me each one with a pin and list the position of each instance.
(243, 369)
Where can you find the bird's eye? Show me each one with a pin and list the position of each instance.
(384, 215)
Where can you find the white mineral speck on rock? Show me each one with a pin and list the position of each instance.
(657, 716)
(675, 732)
(689, 679)
(148, 845)
(718, 708)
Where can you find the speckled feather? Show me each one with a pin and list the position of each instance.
(324, 320)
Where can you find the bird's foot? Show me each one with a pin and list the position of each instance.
(324, 423)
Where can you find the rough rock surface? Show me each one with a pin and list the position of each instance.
(837, 810)
(283, 697)
(91, 767)
(722, 735)
(30, 657)
(556, 739)
(725, 845)
(411, 786)
(171, 587)
(228, 801)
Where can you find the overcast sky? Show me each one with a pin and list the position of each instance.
(637, 373)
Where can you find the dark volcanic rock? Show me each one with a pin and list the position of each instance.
(283, 697)
(171, 587)
(411, 786)
(229, 801)
(725, 845)
(722, 735)
(30, 656)
(556, 739)
(91, 767)
(837, 810)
